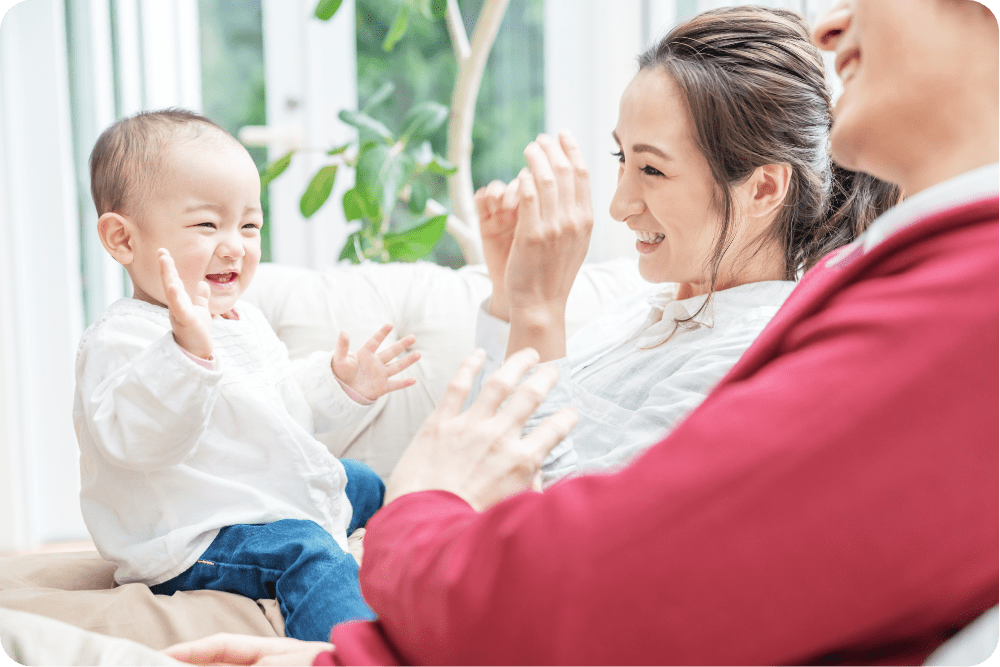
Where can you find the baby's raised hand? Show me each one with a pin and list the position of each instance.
(369, 371)
(190, 318)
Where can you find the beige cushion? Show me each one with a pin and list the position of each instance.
(77, 588)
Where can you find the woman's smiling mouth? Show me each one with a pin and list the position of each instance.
(646, 242)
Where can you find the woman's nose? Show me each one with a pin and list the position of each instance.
(625, 202)
(830, 27)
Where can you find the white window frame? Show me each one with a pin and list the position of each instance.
(305, 92)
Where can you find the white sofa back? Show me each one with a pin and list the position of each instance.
(436, 304)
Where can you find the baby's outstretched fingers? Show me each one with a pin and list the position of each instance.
(394, 350)
(373, 343)
(395, 367)
(394, 385)
(343, 347)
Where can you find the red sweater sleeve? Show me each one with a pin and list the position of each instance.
(833, 500)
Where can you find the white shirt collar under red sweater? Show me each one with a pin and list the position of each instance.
(968, 187)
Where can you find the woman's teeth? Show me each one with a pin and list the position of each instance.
(649, 237)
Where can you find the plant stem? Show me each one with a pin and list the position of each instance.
(463, 109)
(456, 31)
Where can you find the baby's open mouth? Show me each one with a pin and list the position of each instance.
(222, 278)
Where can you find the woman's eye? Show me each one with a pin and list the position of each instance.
(651, 171)
(620, 155)
(252, 225)
(208, 225)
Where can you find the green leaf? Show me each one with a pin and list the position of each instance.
(381, 173)
(422, 120)
(366, 125)
(357, 206)
(327, 8)
(398, 28)
(418, 197)
(441, 166)
(339, 150)
(422, 152)
(439, 8)
(275, 169)
(350, 250)
(380, 95)
(417, 242)
(318, 191)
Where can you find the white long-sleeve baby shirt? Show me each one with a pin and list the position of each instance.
(172, 451)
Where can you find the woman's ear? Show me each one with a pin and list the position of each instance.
(116, 233)
(767, 188)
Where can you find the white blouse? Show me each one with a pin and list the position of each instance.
(171, 451)
(629, 378)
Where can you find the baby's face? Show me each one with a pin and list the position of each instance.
(205, 209)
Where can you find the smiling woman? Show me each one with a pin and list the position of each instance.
(726, 180)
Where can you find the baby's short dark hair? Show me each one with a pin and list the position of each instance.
(125, 159)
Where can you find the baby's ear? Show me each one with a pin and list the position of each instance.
(116, 233)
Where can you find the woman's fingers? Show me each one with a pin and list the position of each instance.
(221, 649)
(502, 383)
(529, 216)
(550, 433)
(494, 193)
(461, 384)
(581, 175)
(562, 170)
(509, 202)
(232, 649)
(528, 396)
(545, 182)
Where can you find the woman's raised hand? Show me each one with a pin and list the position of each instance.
(551, 238)
(479, 454)
(496, 205)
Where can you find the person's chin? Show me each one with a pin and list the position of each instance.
(846, 137)
(650, 272)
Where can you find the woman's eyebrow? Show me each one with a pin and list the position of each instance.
(644, 148)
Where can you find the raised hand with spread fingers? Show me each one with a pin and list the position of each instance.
(370, 371)
(190, 317)
(554, 220)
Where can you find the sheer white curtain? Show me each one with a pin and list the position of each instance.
(68, 68)
(590, 56)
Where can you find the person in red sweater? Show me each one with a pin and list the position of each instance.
(833, 500)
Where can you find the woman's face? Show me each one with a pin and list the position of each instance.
(665, 187)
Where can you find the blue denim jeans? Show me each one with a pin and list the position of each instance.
(292, 560)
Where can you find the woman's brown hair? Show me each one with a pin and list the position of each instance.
(757, 94)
